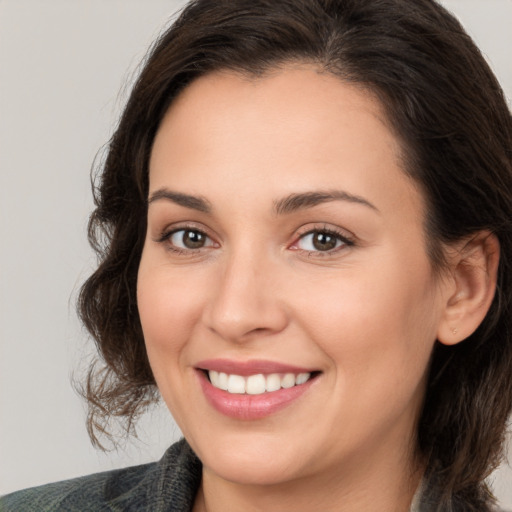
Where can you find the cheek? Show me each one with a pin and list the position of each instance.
(377, 321)
(169, 308)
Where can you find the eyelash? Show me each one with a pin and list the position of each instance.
(340, 236)
(165, 238)
(346, 241)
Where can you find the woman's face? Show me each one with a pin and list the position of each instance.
(285, 261)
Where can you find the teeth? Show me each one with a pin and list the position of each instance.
(236, 384)
(256, 384)
(288, 381)
(223, 381)
(214, 378)
(273, 382)
(302, 378)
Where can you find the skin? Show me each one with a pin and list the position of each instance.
(365, 315)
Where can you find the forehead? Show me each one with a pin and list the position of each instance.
(294, 128)
(308, 97)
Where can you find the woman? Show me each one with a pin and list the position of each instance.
(304, 221)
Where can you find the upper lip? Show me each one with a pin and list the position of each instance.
(253, 367)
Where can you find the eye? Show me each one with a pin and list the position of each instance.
(321, 240)
(189, 239)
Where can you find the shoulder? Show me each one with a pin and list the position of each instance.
(154, 486)
(71, 495)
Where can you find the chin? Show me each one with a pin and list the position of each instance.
(251, 461)
(249, 472)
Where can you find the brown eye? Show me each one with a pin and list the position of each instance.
(321, 241)
(324, 241)
(189, 239)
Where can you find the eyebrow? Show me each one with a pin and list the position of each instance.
(193, 202)
(301, 201)
(284, 206)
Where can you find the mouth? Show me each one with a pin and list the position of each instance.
(255, 389)
(256, 384)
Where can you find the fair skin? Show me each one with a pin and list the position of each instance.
(338, 286)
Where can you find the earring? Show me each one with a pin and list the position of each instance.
(454, 331)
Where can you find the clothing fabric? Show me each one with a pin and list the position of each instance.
(169, 485)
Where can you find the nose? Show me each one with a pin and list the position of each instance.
(248, 300)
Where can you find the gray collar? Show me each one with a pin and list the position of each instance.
(415, 505)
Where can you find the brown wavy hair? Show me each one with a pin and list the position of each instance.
(443, 103)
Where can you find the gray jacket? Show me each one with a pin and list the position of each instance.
(169, 485)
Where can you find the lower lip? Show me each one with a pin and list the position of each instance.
(250, 407)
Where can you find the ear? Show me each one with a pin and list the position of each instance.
(472, 284)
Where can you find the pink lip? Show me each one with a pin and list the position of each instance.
(244, 406)
(246, 368)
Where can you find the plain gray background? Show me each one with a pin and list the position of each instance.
(65, 69)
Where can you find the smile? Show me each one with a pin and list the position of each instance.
(253, 390)
(256, 384)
